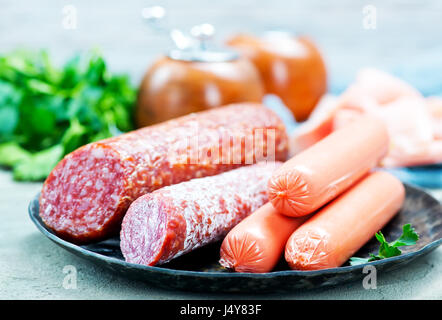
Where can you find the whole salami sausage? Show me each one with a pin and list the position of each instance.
(176, 219)
(87, 194)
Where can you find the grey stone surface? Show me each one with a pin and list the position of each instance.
(407, 41)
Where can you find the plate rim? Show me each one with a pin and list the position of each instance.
(247, 275)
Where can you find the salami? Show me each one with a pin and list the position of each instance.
(87, 194)
(176, 219)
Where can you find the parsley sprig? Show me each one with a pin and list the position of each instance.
(409, 237)
(47, 111)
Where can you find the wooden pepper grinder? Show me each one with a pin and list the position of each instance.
(194, 77)
(291, 68)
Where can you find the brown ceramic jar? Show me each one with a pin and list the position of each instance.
(176, 85)
(291, 68)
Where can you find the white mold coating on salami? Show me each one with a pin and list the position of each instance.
(87, 194)
(177, 219)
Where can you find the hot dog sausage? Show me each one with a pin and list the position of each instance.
(320, 173)
(173, 220)
(87, 194)
(257, 243)
(342, 227)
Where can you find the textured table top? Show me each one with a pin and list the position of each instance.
(405, 42)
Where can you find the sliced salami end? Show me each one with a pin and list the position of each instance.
(177, 219)
(82, 197)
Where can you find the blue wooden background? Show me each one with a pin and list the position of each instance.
(407, 40)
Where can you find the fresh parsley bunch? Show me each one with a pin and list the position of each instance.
(47, 112)
(409, 237)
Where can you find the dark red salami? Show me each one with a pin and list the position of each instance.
(176, 219)
(87, 194)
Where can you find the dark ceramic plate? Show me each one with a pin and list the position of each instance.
(200, 271)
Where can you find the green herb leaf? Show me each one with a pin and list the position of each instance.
(354, 261)
(39, 165)
(409, 237)
(11, 154)
(8, 120)
(387, 251)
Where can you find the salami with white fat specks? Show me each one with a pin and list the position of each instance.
(85, 197)
(177, 219)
